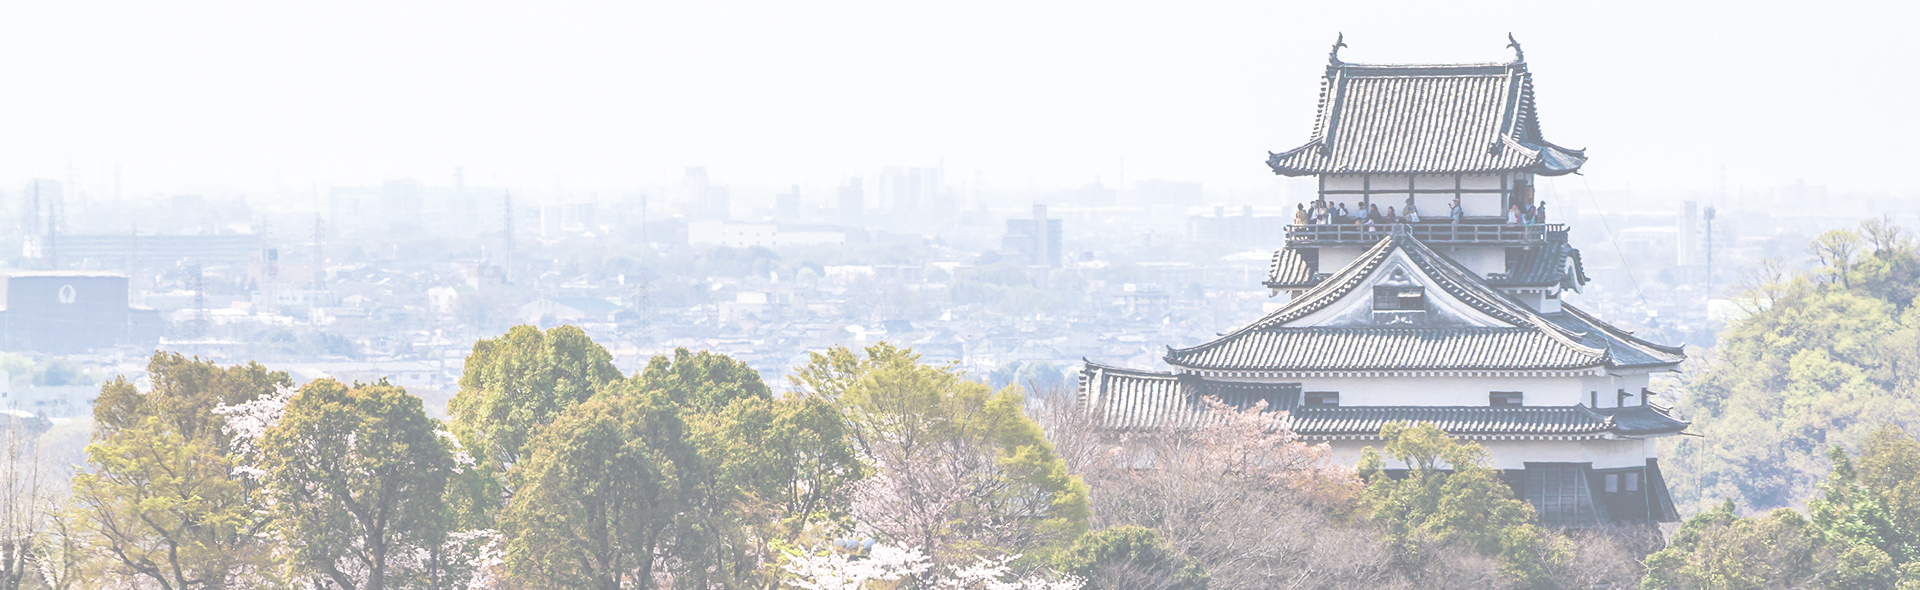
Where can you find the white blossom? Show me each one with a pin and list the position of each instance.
(833, 570)
(247, 422)
(461, 459)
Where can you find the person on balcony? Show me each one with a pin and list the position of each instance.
(1390, 219)
(1514, 215)
(1540, 214)
(1300, 214)
(1343, 216)
(1454, 212)
(1413, 214)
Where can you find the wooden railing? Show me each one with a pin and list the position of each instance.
(1432, 233)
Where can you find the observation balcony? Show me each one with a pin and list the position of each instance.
(1433, 233)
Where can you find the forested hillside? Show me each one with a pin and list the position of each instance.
(1826, 356)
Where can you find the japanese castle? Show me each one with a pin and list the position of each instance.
(1454, 322)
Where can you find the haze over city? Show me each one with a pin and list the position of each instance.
(962, 296)
(269, 99)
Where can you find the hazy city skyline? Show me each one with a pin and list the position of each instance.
(603, 96)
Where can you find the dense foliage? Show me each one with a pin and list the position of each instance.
(1859, 532)
(1825, 357)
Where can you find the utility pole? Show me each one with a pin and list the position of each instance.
(506, 239)
(199, 303)
(1709, 251)
(53, 236)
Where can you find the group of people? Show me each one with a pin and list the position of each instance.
(1324, 213)
(1530, 214)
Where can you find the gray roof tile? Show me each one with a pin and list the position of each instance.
(1366, 348)
(1529, 341)
(1140, 400)
(1426, 119)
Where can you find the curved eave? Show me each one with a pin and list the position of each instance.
(1177, 362)
(1547, 160)
(1624, 334)
(1284, 285)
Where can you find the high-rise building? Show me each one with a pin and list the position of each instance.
(853, 201)
(1036, 241)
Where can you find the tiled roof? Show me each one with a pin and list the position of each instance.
(1367, 348)
(1426, 119)
(1623, 348)
(1134, 400)
(1288, 269)
(1555, 263)
(1129, 398)
(1528, 341)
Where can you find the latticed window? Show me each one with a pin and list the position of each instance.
(1399, 298)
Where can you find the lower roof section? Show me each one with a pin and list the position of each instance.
(1144, 400)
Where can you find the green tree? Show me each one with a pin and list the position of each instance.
(1889, 468)
(512, 386)
(1448, 493)
(1128, 558)
(357, 476)
(1848, 513)
(1818, 363)
(693, 454)
(769, 468)
(960, 470)
(159, 491)
(1719, 550)
(603, 487)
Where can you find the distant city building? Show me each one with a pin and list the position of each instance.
(70, 312)
(1244, 229)
(1689, 240)
(704, 200)
(563, 310)
(853, 201)
(1459, 325)
(119, 250)
(765, 235)
(1036, 241)
(910, 189)
(787, 205)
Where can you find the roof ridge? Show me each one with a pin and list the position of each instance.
(1619, 332)
(1465, 278)
(1092, 365)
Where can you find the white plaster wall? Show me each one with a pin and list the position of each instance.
(1533, 300)
(1389, 181)
(1447, 391)
(1344, 182)
(1334, 259)
(1515, 454)
(1397, 201)
(1433, 182)
(1549, 303)
(1482, 260)
(1607, 389)
(1482, 205)
(1433, 208)
(1480, 182)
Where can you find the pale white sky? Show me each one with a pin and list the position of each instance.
(255, 95)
